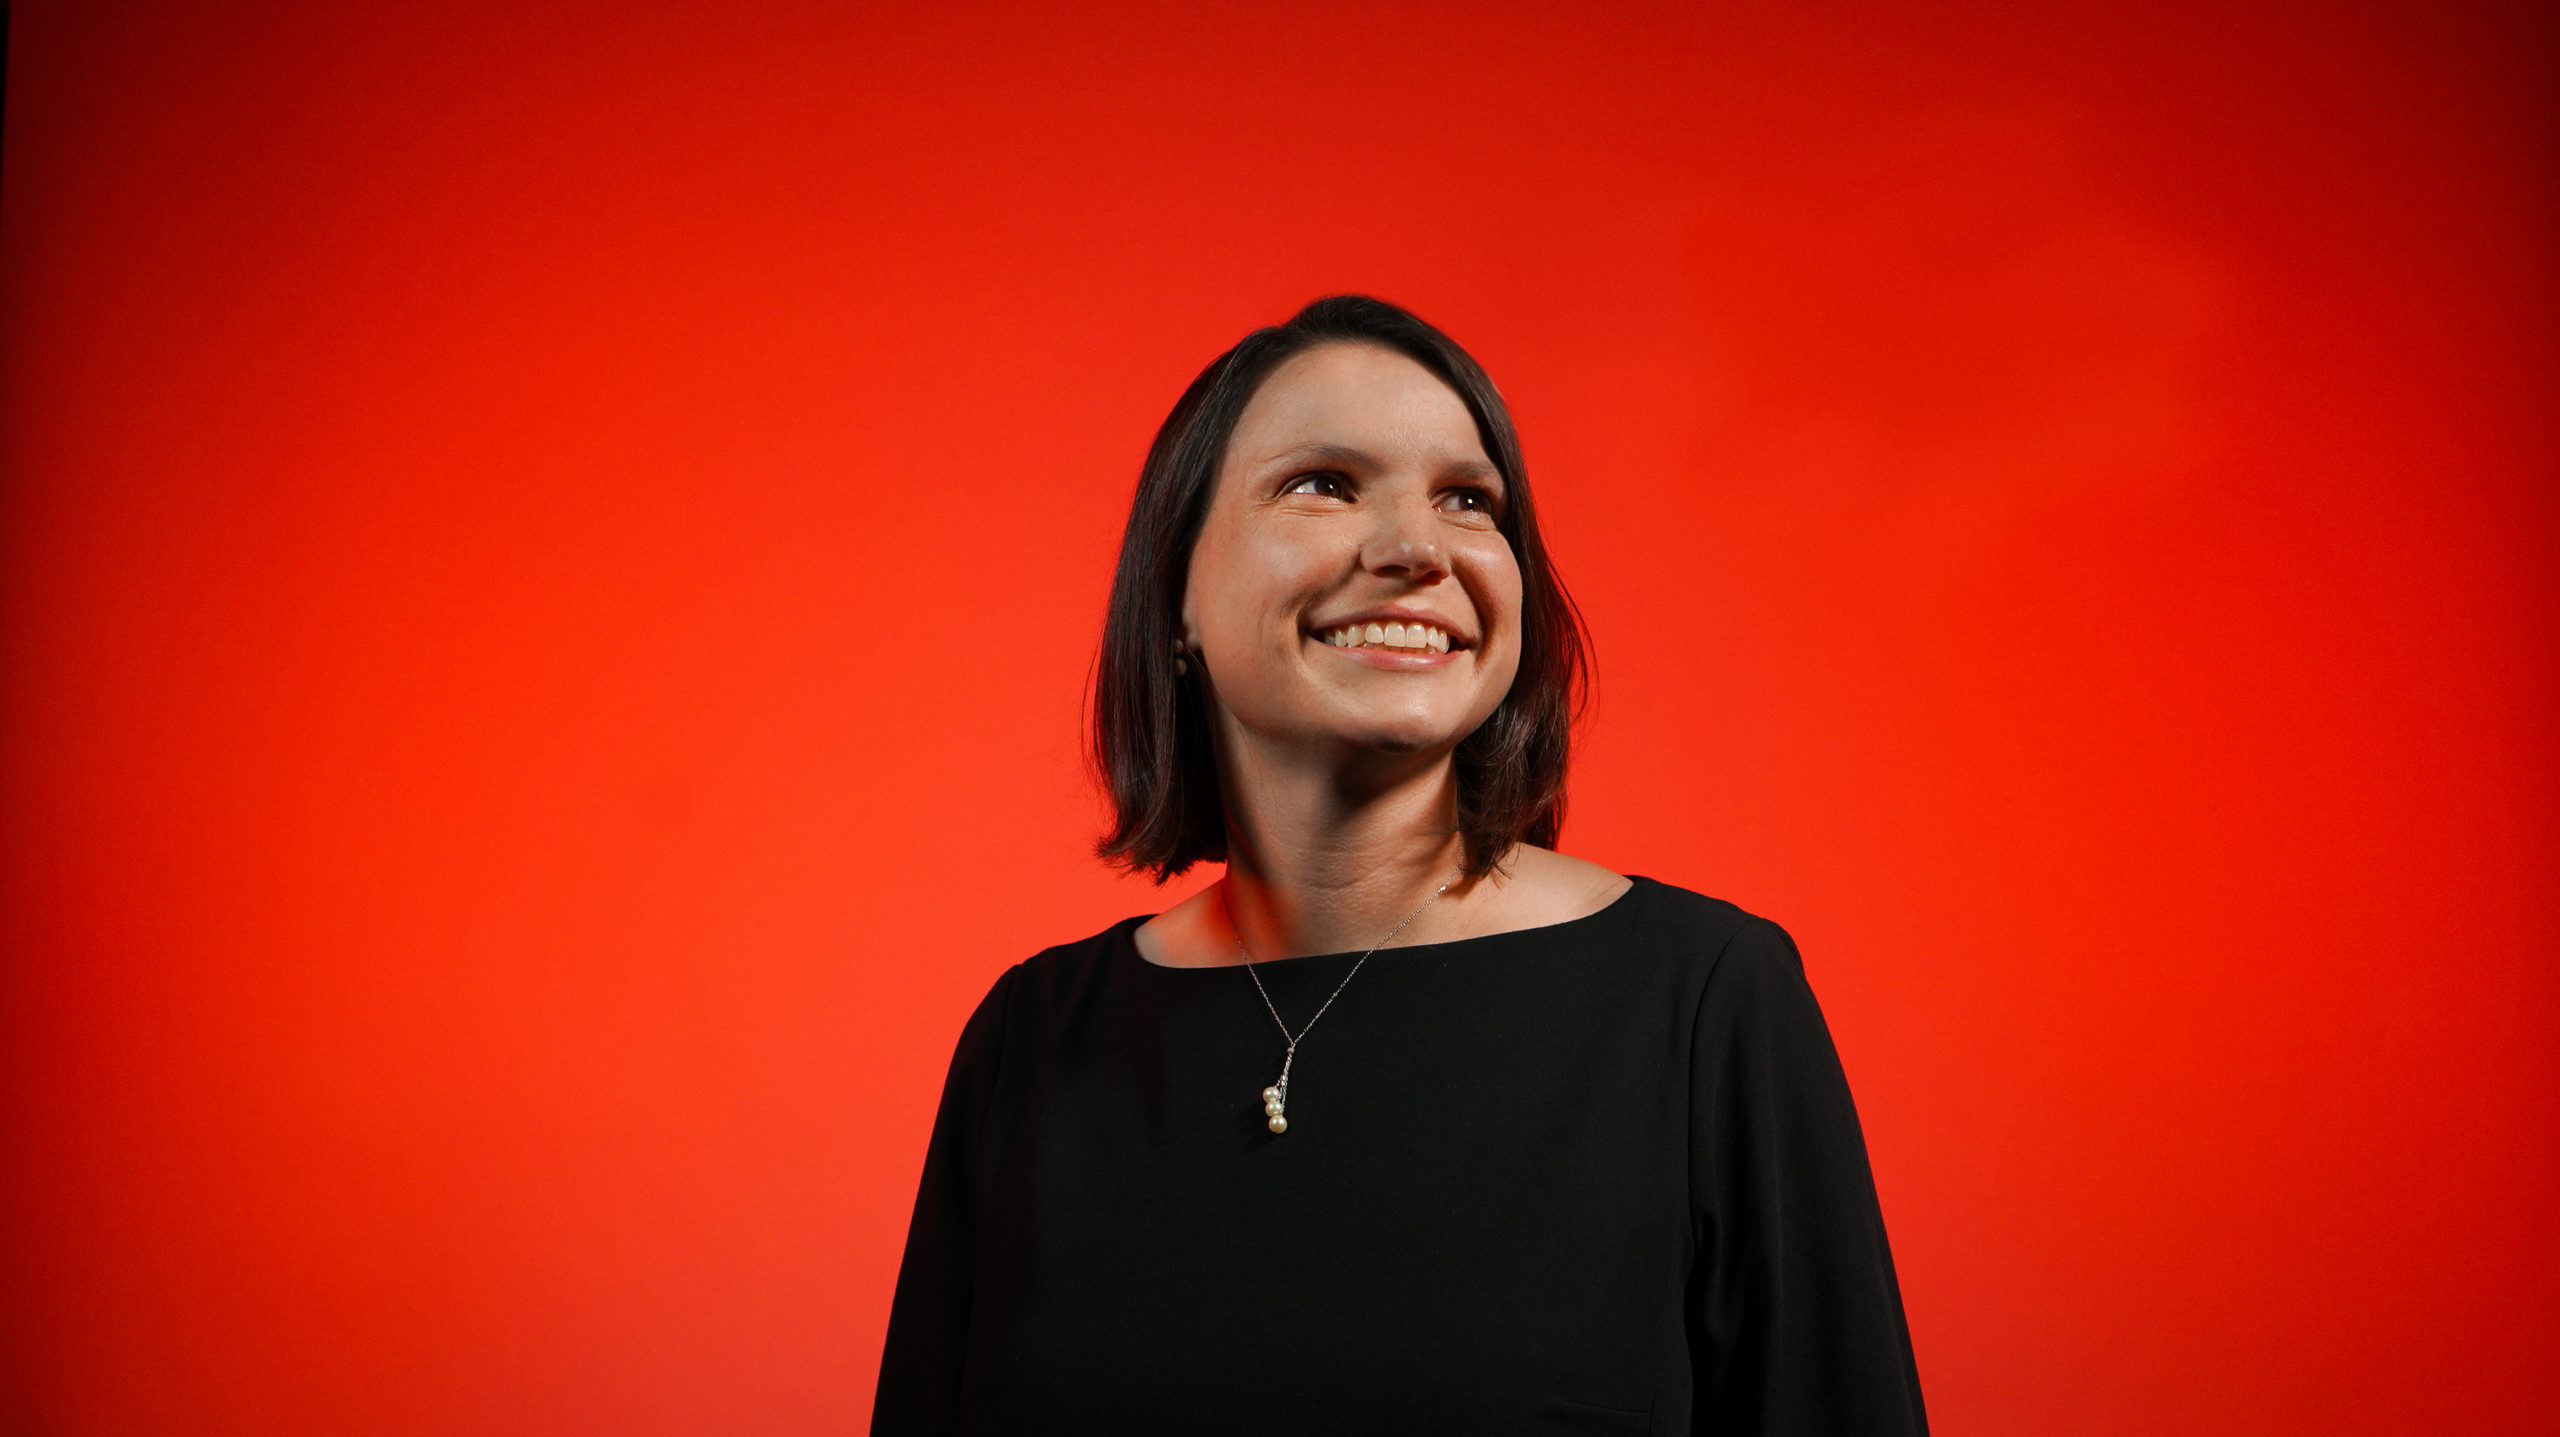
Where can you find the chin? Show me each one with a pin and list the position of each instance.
(1404, 737)
(1399, 744)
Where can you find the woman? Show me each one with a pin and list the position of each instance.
(1409, 1123)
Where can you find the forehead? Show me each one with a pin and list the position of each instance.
(1356, 396)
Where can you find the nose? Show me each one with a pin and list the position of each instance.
(1406, 545)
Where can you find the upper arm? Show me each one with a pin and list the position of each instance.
(920, 1363)
(1795, 1315)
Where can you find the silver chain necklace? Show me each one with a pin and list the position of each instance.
(1275, 1099)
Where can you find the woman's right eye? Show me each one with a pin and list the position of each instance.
(1324, 482)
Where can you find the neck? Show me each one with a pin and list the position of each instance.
(1327, 857)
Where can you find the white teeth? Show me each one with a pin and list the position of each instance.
(1410, 638)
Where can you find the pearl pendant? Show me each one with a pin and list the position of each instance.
(1275, 1099)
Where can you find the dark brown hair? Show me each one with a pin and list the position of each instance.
(1150, 731)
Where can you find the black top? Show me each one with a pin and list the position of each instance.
(1602, 1176)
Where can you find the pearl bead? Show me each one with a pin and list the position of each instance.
(1271, 1095)
(1279, 1124)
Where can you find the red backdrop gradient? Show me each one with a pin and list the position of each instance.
(552, 552)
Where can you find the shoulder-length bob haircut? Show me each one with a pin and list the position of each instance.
(1150, 738)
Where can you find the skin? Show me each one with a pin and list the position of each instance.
(1355, 479)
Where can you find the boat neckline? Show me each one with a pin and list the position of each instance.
(1124, 936)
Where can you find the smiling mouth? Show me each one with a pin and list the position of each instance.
(1395, 638)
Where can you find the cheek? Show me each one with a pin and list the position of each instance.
(1273, 573)
(1494, 582)
(1225, 563)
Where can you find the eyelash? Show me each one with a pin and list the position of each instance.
(1324, 474)
(1483, 497)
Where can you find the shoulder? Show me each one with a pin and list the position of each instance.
(1744, 982)
(1712, 929)
(1565, 887)
(1054, 977)
(1534, 886)
(1029, 998)
(1728, 957)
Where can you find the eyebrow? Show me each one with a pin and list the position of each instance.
(1348, 457)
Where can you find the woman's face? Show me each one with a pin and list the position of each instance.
(1350, 586)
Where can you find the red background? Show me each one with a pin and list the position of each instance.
(552, 553)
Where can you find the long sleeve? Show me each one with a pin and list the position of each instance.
(1795, 1318)
(920, 1364)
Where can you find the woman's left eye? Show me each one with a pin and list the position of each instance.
(1472, 499)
